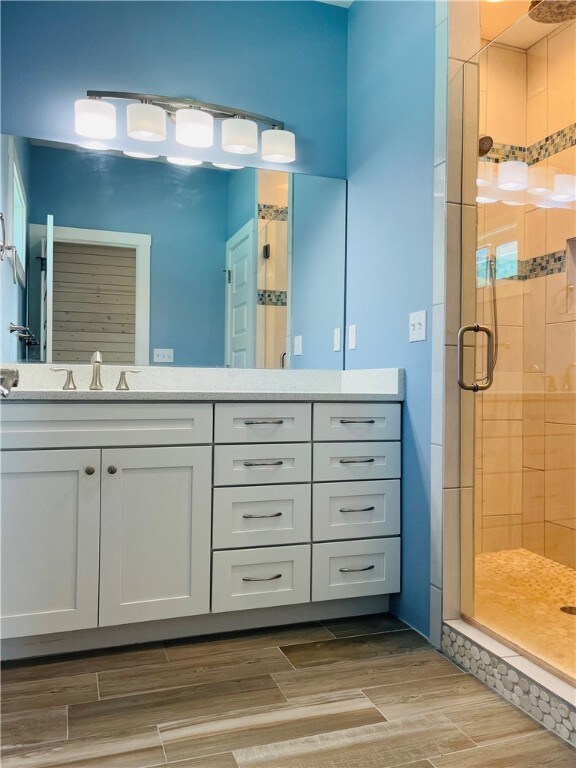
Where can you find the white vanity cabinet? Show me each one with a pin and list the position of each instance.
(155, 533)
(50, 529)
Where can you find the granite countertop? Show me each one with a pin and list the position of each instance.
(157, 384)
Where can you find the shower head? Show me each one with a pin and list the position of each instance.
(552, 11)
(485, 144)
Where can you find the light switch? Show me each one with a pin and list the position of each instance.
(297, 345)
(163, 355)
(417, 326)
(351, 337)
(337, 340)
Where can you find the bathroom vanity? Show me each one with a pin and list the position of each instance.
(149, 506)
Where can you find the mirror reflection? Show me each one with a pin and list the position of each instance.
(152, 262)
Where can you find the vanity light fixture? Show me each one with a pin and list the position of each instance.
(95, 119)
(186, 161)
(145, 122)
(140, 155)
(194, 128)
(513, 176)
(538, 181)
(228, 166)
(239, 136)
(564, 188)
(194, 123)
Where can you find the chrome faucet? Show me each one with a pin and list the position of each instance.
(96, 361)
(9, 378)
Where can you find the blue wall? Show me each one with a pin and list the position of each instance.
(185, 211)
(318, 268)
(389, 269)
(282, 59)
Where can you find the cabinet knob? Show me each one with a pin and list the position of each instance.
(89, 470)
(112, 470)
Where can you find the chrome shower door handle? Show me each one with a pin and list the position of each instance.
(475, 386)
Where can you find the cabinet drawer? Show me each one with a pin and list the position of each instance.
(357, 421)
(262, 422)
(261, 516)
(260, 578)
(355, 568)
(78, 425)
(261, 464)
(356, 510)
(356, 461)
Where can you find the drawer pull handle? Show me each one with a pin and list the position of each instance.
(356, 570)
(263, 578)
(357, 421)
(248, 516)
(263, 463)
(89, 470)
(361, 509)
(112, 470)
(257, 422)
(357, 461)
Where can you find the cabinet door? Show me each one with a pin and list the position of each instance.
(155, 543)
(50, 526)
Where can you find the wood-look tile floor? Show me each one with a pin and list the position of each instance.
(355, 693)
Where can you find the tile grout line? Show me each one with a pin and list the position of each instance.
(98, 686)
(287, 659)
(161, 743)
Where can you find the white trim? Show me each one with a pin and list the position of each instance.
(247, 231)
(142, 244)
(14, 169)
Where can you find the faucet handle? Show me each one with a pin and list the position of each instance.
(122, 383)
(69, 383)
(96, 357)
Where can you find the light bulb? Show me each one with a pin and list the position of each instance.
(94, 119)
(146, 122)
(278, 146)
(194, 128)
(239, 136)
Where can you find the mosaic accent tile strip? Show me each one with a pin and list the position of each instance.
(272, 298)
(516, 687)
(539, 266)
(535, 153)
(272, 212)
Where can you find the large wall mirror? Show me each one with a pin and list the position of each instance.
(155, 263)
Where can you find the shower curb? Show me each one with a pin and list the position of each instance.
(551, 710)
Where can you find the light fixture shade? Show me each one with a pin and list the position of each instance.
(487, 195)
(278, 146)
(564, 188)
(239, 136)
(538, 180)
(485, 174)
(187, 161)
(513, 176)
(95, 119)
(194, 128)
(146, 122)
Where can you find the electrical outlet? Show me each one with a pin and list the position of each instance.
(297, 345)
(163, 355)
(337, 340)
(417, 326)
(351, 337)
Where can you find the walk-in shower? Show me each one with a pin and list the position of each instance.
(520, 425)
